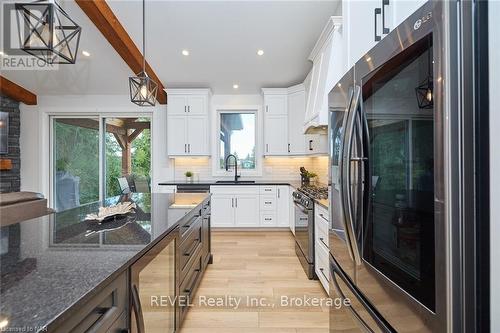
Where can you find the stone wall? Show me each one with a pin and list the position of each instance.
(10, 180)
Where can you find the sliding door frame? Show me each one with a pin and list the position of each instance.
(101, 116)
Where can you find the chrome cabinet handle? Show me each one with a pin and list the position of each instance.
(322, 270)
(236, 202)
(385, 30)
(136, 305)
(267, 148)
(310, 144)
(189, 148)
(185, 147)
(378, 11)
(232, 202)
(185, 108)
(288, 147)
(322, 240)
(324, 218)
(278, 193)
(267, 108)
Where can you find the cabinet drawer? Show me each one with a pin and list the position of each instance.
(190, 223)
(321, 232)
(189, 245)
(190, 283)
(268, 219)
(100, 313)
(321, 265)
(268, 190)
(268, 203)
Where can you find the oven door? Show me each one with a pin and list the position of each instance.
(399, 205)
(303, 225)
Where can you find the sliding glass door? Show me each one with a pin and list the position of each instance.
(75, 162)
(83, 172)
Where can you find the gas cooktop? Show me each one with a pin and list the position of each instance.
(315, 191)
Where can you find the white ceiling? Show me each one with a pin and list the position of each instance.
(222, 37)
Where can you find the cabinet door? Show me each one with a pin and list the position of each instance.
(275, 135)
(361, 37)
(316, 143)
(283, 206)
(197, 105)
(402, 9)
(197, 135)
(222, 210)
(177, 135)
(177, 104)
(246, 210)
(275, 104)
(296, 115)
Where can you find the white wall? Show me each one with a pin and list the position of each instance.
(494, 73)
(34, 138)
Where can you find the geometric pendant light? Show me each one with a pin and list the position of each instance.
(143, 89)
(49, 33)
(425, 90)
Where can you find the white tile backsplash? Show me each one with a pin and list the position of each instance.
(274, 168)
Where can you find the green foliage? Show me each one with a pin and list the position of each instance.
(188, 174)
(77, 153)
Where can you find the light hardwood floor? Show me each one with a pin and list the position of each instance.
(261, 266)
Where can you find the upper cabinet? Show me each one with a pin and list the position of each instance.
(378, 17)
(284, 111)
(188, 122)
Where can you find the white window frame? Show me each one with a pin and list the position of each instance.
(254, 109)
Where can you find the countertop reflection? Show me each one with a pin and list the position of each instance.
(49, 263)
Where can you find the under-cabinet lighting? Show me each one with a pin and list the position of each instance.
(86, 53)
(185, 53)
(235, 86)
(260, 52)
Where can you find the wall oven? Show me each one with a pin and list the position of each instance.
(387, 181)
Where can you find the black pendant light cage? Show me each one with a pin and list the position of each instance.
(425, 90)
(143, 89)
(48, 32)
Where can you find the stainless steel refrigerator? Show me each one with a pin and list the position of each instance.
(395, 184)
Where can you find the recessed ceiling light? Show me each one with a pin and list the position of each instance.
(369, 59)
(2, 53)
(260, 52)
(86, 53)
(185, 53)
(235, 86)
(339, 85)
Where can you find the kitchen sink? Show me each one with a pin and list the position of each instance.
(235, 182)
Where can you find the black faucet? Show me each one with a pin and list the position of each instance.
(235, 166)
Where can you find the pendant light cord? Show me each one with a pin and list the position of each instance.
(144, 36)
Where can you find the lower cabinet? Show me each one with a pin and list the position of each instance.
(104, 312)
(321, 246)
(250, 206)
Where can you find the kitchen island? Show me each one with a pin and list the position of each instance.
(52, 267)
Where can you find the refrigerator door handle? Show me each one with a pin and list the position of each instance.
(346, 178)
(336, 271)
(136, 305)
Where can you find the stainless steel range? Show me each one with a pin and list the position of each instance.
(303, 199)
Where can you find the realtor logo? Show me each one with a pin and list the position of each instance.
(12, 57)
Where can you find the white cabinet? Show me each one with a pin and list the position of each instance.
(177, 135)
(292, 212)
(284, 124)
(250, 206)
(235, 206)
(222, 210)
(283, 206)
(275, 101)
(197, 134)
(246, 210)
(321, 245)
(188, 122)
(380, 17)
(275, 135)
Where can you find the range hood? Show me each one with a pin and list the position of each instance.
(328, 68)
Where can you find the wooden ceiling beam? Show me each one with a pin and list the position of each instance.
(105, 20)
(16, 92)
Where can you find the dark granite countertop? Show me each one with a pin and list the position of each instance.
(49, 264)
